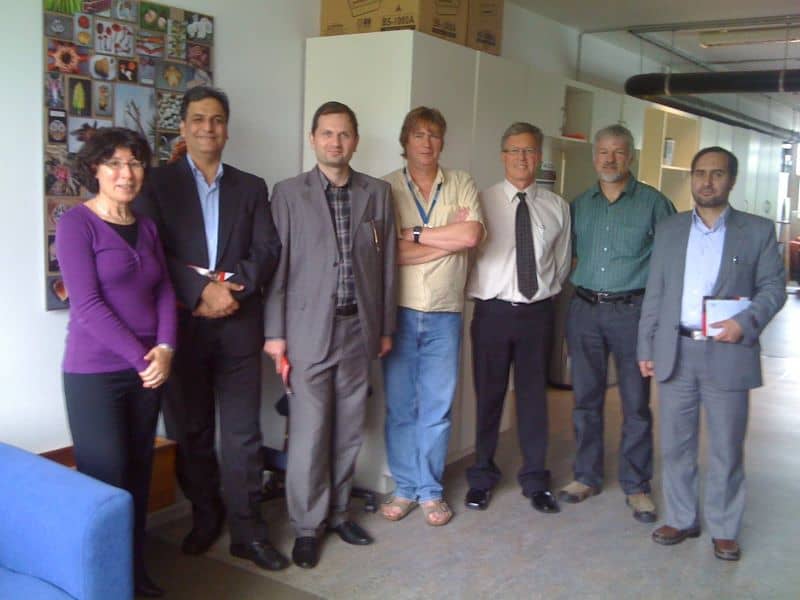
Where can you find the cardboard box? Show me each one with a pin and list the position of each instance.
(446, 19)
(485, 25)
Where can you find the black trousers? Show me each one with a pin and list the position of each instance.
(205, 379)
(113, 419)
(504, 334)
(594, 330)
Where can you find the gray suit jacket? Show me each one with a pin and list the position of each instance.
(751, 266)
(301, 299)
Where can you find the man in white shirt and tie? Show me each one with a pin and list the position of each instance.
(519, 268)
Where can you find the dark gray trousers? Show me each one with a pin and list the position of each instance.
(594, 331)
(326, 423)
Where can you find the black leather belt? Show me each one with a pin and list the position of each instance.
(347, 310)
(593, 297)
(499, 302)
(695, 334)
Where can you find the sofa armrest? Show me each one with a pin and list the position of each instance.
(64, 527)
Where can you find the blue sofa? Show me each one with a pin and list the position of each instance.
(62, 534)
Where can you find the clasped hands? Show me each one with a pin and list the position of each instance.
(217, 301)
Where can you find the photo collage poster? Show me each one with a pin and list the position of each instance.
(124, 63)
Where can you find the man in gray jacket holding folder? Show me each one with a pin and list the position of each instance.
(711, 251)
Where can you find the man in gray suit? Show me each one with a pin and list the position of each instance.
(330, 310)
(716, 251)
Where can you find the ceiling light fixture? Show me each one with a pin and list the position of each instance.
(758, 35)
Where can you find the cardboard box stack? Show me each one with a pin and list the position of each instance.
(446, 19)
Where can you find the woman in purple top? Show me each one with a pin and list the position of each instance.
(122, 325)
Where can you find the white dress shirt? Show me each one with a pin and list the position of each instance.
(494, 274)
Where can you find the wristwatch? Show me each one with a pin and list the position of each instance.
(416, 231)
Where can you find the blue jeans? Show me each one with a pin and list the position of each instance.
(420, 376)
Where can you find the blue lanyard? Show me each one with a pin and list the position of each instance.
(423, 215)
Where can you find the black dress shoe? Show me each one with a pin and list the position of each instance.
(145, 588)
(477, 499)
(262, 554)
(352, 533)
(545, 502)
(201, 538)
(305, 553)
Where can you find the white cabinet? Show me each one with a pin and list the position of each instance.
(545, 99)
(371, 73)
(501, 97)
(443, 76)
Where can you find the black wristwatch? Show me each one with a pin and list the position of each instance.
(416, 231)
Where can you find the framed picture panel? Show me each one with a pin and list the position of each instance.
(124, 63)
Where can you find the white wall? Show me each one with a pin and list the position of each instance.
(259, 61)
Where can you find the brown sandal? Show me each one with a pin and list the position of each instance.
(436, 507)
(404, 505)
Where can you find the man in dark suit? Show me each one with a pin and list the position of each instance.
(222, 249)
(717, 251)
(330, 311)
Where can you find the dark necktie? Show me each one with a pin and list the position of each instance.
(526, 256)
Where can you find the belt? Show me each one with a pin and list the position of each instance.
(695, 334)
(593, 297)
(347, 310)
(500, 302)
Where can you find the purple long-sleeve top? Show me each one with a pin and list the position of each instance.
(121, 299)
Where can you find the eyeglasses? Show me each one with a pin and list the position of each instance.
(522, 151)
(117, 165)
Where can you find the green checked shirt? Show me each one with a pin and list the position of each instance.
(613, 241)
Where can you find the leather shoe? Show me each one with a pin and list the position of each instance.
(352, 533)
(145, 588)
(477, 499)
(201, 538)
(545, 502)
(727, 549)
(669, 536)
(305, 553)
(262, 554)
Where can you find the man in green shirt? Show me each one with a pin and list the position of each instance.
(613, 224)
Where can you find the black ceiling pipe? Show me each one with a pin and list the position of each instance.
(730, 82)
(677, 90)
